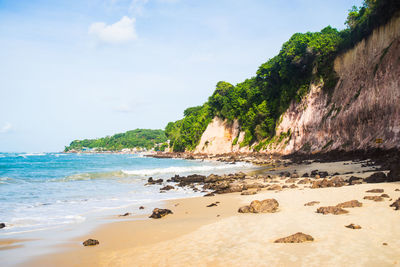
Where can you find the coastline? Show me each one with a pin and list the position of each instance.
(195, 235)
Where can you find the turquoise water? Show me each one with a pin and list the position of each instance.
(46, 190)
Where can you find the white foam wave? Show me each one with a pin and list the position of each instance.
(190, 169)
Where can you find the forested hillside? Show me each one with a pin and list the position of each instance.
(258, 102)
(143, 138)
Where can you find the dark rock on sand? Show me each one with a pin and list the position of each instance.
(2, 225)
(355, 180)
(291, 180)
(377, 177)
(264, 206)
(304, 181)
(374, 198)
(396, 204)
(159, 213)
(275, 187)
(141, 208)
(349, 204)
(125, 214)
(295, 238)
(335, 182)
(91, 242)
(167, 187)
(209, 195)
(285, 174)
(385, 196)
(375, 191)
(294, 175)
(397, 190)
(293, 186)
(212, 205)
(305, 175)
(312, 203)
(353, 226)
(331, 209)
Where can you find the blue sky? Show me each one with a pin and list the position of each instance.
(73, 69)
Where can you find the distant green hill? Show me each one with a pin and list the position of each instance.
(144, 138)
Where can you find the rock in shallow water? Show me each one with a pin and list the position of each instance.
(295, 238)
(159, 213)
(91, 242)
(2, 225)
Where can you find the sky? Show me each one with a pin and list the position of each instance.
(75, 69)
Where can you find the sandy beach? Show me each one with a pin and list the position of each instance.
(197, 235)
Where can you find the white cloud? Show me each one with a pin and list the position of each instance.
(6, 128)
(137, 6)
(120, 32)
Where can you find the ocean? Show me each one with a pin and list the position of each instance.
(40, 191)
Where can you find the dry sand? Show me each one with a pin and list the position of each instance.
(195, 236)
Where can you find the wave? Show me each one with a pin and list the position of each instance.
(33, 154)
(91, 175)
(191, 169)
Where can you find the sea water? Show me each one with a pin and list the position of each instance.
(48, 190)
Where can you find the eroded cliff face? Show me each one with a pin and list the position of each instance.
(219, 137)
(362, 112)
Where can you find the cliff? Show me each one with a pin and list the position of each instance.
(362, 112)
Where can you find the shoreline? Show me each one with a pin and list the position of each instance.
(130, 242)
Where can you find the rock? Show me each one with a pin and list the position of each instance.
(374, 198)
(396, 204)
(295, 238)
(250, 192)
(305, 175)
(331, 209)
(212, 178)
(275, 187)
(141, 208)
(304, 181)
(334, 182)
(394, 173)
(212, 205)
(125, 214)
(264, 206)
(2, 225)
(159, 213)
(353, 226)
(285, 174)
(397, 190)
(375, 191)
(312, 203)
(230, 189)
(317, 176)
(291, 180)
(385, 196)
(355, 180)
(385, 244)
(294, 175)
(349, 204)
(293, 186)
(313, 173)
(209, 195)
(91, 242)
(323, 174)
(167, 187)
(151, 181)
(377, 177)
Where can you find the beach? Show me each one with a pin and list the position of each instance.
(197, 235)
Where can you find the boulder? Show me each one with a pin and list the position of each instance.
(312, 203)
(355, 180)
(377, 177)
(91, 242)
(353, 226)
(293, 186)
(141, 208)
(291, 180)
(394, 173)
(275, 187)
(212, 178)
(159, 213)
(294, 175)
(2, 225)
(396, 204)
(349, 204)
(264, 206)
(285, 174)
(374, 198)
(230, 189)
(331, 209)
(305, 175)
(375, 191)
(304, 181)
(295, 238)
(385, 196)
